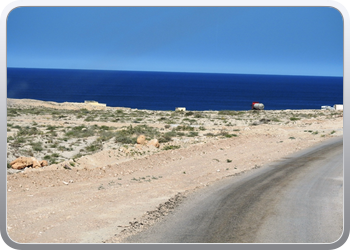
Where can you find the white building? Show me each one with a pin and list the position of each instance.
(338, 106)
(180, 109)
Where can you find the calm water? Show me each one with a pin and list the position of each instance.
(165, 91)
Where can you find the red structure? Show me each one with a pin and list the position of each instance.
(257, 106)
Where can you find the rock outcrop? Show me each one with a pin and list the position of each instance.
(153, 142)
(141, 139)
(23, 162)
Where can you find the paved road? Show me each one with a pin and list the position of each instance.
(297, 200)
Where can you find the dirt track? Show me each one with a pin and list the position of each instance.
(109, 201)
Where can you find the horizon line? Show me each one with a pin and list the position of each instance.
(194, 72)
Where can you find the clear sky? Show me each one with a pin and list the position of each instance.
(248, 40)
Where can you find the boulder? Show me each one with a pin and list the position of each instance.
(23, 162)
(44, 163)
(153, 142)
(36, 163)
(141, 139)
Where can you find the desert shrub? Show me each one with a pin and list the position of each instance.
(28, 131)
(17, 142)
(171, 133)
(37, 146)
(192, 134)
(94, 146)
(125, 139)
(185, 128)
(198, 115)
(294, 118)
(164, 138)
(209, 134)
(89, 119)
(275, 119)
(189, 113)
(149, 132)
(52, 159)
(77, 156)
(228, 112)
(124, 136)
(170, 147)
(47, 157)
(80, 132)
(106, 135)
(54, 145)
(103, 127)
(51, 128)
(12, 112)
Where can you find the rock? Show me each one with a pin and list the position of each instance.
(23, 162)
(153, 142)
(66, 167)
(36, 163)
(44, 163)
(141, 139)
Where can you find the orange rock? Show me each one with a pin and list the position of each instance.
(153, 142)
(141, 139)
(44, 163)
(24, 162)
(36, 163)
(21, 162)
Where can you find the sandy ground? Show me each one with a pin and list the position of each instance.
(113, 193)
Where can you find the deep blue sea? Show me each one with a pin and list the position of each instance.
(167, 90)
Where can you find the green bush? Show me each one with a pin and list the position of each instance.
(28, 131)
(185, 128)
(94, 146)
(192, 134)
(189, 113)
(106, 135)
(228, 112)
(80, 132)
(37, 146)
(164, 138)
(170, 147)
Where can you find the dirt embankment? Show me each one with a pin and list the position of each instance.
(121, 188)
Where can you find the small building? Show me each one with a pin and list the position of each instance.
(338, 106)
(180, 109)
(327, 107)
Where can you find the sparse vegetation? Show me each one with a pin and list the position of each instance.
(170, 147)
(74, 140)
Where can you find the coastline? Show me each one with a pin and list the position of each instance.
(107, 188)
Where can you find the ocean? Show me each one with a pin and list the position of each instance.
(167, 90)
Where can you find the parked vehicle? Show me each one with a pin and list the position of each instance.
(257, 106)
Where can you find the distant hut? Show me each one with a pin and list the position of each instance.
(180, 109)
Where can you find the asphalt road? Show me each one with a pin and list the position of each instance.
(297, 200)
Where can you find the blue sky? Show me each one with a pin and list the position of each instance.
(248, 40)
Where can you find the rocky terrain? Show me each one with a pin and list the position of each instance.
(100, 185)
